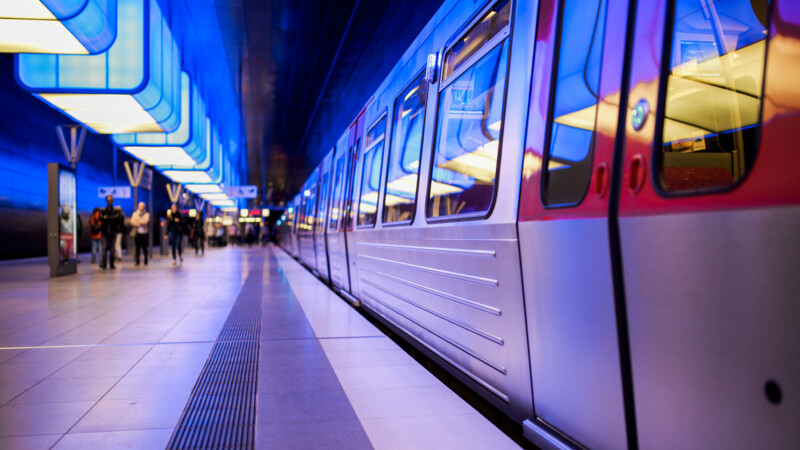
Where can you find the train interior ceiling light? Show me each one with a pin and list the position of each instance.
(132, 87)
(184, 146)
(57, 26)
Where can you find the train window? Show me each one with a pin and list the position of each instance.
(468, 138)
(291, 216)
(371, 175)
(338, 176)
(350, 195)
(301, 213)
(568, 159)
(491, 24)
(713, 94)
(322, 213)
(400, 196)
(310, 206)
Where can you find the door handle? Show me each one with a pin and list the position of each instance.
(601, 180)
(636, 174)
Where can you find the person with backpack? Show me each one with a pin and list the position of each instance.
(111, 220)
(95, 234)
(175, 227)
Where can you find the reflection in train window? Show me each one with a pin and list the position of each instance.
(306, 222)
(568, 159)
(322, 214)
(713, 97)
(371, 175)
(337, 192)
(399, 199)
(301, 213)
(290, 213)
(468, 138)
(490, 25)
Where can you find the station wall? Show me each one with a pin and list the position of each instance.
(28, 142)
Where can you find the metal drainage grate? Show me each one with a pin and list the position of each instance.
(221, 412)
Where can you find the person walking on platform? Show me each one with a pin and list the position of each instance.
(175, 225)
(210, 233)
(96, 235)
(198, 235)
(140, 221)
(111, 221)
(120, 234)
(249, 234)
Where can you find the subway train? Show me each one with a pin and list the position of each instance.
(585, 210)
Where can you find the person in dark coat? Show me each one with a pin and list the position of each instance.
(198, 235)
(175, 226)
(111, 220)
(96, 235)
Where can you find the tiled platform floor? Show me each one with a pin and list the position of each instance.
(108, 360)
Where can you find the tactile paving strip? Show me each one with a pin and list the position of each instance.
(221, 412)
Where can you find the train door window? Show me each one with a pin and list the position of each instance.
(400, 196)
(492, 23)
(338, 175)
(310, 196)
(350, 192)
(322, 214)
(713, 94)
(469, 127)
(301, 212)
(573, 112)
(371, 175)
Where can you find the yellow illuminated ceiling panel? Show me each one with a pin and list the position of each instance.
(217, 196)
(37, 36)
(105, 113)
(57, 26)
(188, 176)
(203, 188)
(161, 156)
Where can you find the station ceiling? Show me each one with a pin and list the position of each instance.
(303, 66)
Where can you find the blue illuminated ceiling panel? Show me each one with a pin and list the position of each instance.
(57, 26)
(183, 147)
(132, 87)
(210, 171)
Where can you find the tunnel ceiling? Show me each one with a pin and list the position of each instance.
(294, 62)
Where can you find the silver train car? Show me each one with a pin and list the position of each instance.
(585, 211)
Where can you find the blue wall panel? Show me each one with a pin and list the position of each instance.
(28, 142)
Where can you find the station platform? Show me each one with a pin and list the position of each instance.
(240, 345)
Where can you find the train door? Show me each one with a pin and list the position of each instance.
(709, 212)
(709, 208)
(322, 218)
(351, 197)
(337, 251)
(564, 224)
(293, 216)
(308, 208)
(300, 223)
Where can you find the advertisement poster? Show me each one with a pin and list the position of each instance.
(67, 209)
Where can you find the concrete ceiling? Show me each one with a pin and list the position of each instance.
(300, 67)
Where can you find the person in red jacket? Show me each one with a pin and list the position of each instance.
(95, 234)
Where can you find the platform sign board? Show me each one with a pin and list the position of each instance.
(242, 191)
(114, 191)
(147, 179)
(62, 222)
